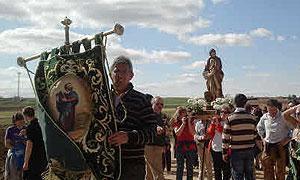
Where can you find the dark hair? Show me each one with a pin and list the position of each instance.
(66, 85)
(248, 107)
(274, 103)
(28, 111)
(240, 100)
(17, 117)
(122, 60)
(294, 102)
(212, 50)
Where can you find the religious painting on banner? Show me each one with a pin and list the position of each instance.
(70, 104)
(76, 114)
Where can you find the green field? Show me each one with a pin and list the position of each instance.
(8, 106)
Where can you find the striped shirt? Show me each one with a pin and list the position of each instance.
(239, 131)
(136, 117)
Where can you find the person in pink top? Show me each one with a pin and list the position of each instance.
(185, 146)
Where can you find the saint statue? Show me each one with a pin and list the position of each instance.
(214, 75)
(65, 103)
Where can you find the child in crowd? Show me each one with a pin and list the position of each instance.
(15, 141)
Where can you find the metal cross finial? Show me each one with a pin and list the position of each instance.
(66, 22)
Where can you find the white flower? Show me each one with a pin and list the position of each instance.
(220, 102)
(197, 104)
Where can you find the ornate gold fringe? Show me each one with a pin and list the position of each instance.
(55, 171)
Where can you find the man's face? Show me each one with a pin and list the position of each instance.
(20, 122)
(121, 76)
(26, 118)
(213, 54)
(69, 87)
(272, 111)
(158, 105)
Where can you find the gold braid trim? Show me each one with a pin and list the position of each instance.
(55, 171)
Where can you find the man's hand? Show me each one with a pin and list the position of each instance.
(22, 132)
(118, 138)
(225, 157)
(160, 130)
(184, 119)
(285, 141)
(25, 166)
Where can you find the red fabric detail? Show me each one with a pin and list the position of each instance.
(211, 132)
(185, 136)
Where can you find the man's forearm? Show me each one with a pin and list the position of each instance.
(8, 144)
(28, 151)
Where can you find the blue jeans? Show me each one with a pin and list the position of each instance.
(190, 160)
(242, 164)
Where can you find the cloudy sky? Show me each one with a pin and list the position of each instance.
(167, 40)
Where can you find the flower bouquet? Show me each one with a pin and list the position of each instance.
(220, 102)
(197, 105)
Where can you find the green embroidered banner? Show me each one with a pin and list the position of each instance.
(76, 114)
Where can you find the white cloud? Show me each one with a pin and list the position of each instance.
(188, 78)
(229, 39)
(187, 84)
(258, 75)
(294, 37)
(195, 65)
(9, 82)
(261, 32)
(32, 40)
(219, 1)
(280, 38)
(143, 56)
(170, 16)
(265, 33)
(249, 67)
(26, 41)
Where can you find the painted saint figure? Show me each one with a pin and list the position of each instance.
(214, 75)
(65, 104)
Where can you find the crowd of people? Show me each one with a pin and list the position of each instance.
(26, 156)
(232, 144)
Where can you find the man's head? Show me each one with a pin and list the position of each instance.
(122, 73)
(212, 52)
(18, 119)
(68, 87)
(240, 100)
(272, 107)
(225, 111)
(157, 104)
(28, 113)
